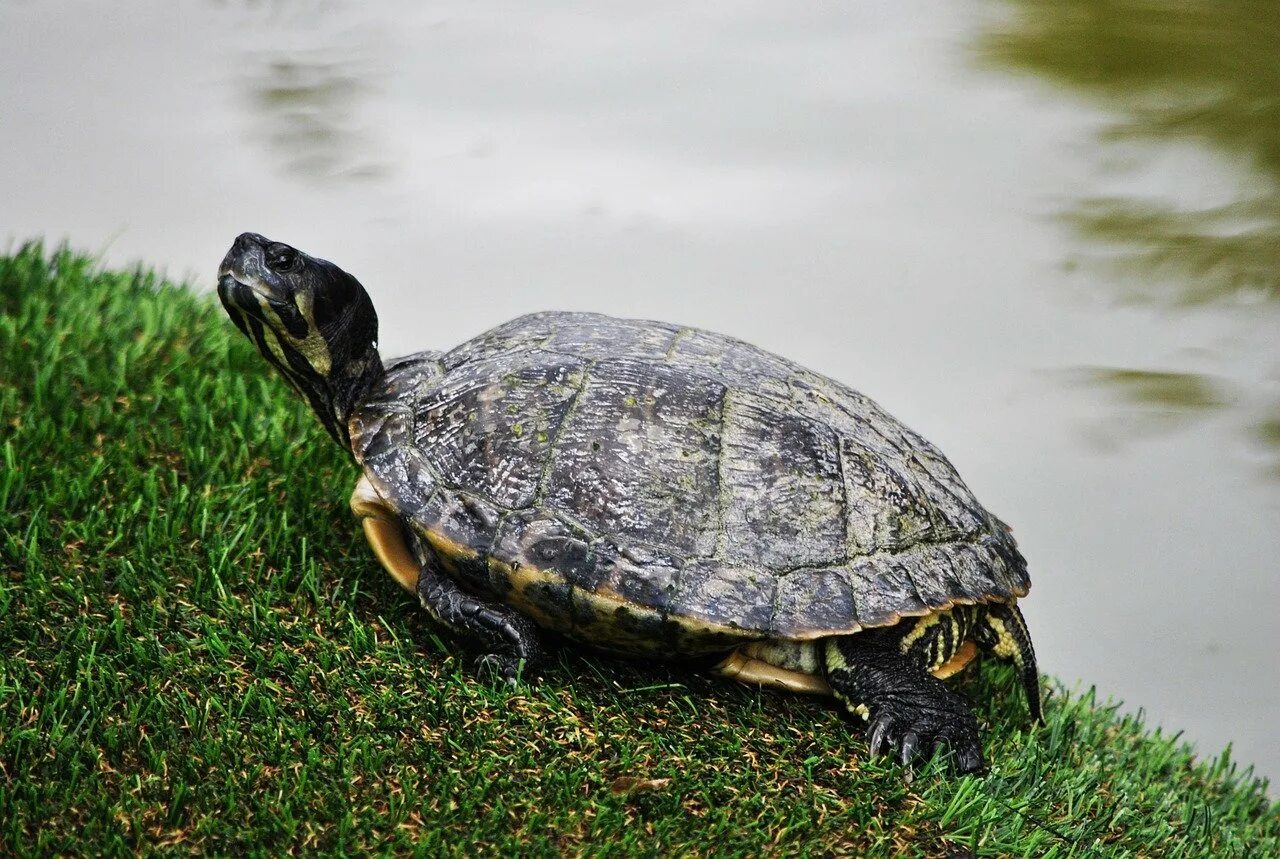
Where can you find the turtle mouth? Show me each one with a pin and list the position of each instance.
(229, 283)
(237, 283)
(243, 269)
(246, 294)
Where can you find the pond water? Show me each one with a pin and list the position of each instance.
(1047, 236)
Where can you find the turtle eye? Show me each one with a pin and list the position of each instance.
(282, 258)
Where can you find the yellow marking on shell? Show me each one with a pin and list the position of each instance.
(382, 530)
(754, 663)
(523, 579)
(449, 551)
(701, 626)
(597, 622)
(595, 616)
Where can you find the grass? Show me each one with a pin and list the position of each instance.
(198, 654)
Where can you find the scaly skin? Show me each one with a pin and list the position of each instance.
(506, 643)
(910, 712)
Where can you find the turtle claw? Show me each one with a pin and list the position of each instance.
(501, 667)
(968, 760)
(916, 734)
(880, 739)
(965, 747)
(909, 712)
(910, 747)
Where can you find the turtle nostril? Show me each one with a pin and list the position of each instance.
(244, 241)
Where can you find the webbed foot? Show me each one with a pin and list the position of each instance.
(508, 644)
(910, 713)
(518, 653)
(915, 727)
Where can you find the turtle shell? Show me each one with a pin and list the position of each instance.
(651, 488)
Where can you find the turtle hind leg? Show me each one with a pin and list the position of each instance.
(909, 711)
(1002, 632)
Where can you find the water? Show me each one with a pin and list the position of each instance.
(1018, 229)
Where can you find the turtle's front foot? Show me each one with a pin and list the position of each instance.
(508, 644)
(910, 713)
(513, 651)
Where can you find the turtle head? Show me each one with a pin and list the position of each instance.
(309, 318)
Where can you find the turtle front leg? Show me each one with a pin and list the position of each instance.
(504, 640)
(909, 711)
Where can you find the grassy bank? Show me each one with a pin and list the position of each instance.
(197, 652)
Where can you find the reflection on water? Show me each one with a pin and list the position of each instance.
(306, 109)
(1268, 432)
(307, 85)
(1157, 401)
(1174, 73)
(1191, 257)
(1177, 392)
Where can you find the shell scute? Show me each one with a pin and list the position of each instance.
(490, 425)
(883, 592)
(639, 577)
(732, 597)
(464, 520)
(815, 600)
(785, 491)
(634, 460)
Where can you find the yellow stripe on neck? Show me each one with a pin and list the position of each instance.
(312, 347)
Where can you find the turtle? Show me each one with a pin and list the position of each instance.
(655, 491)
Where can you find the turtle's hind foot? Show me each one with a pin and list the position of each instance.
(910, 713)
(917, 729)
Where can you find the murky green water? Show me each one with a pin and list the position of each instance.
(1046, 234)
